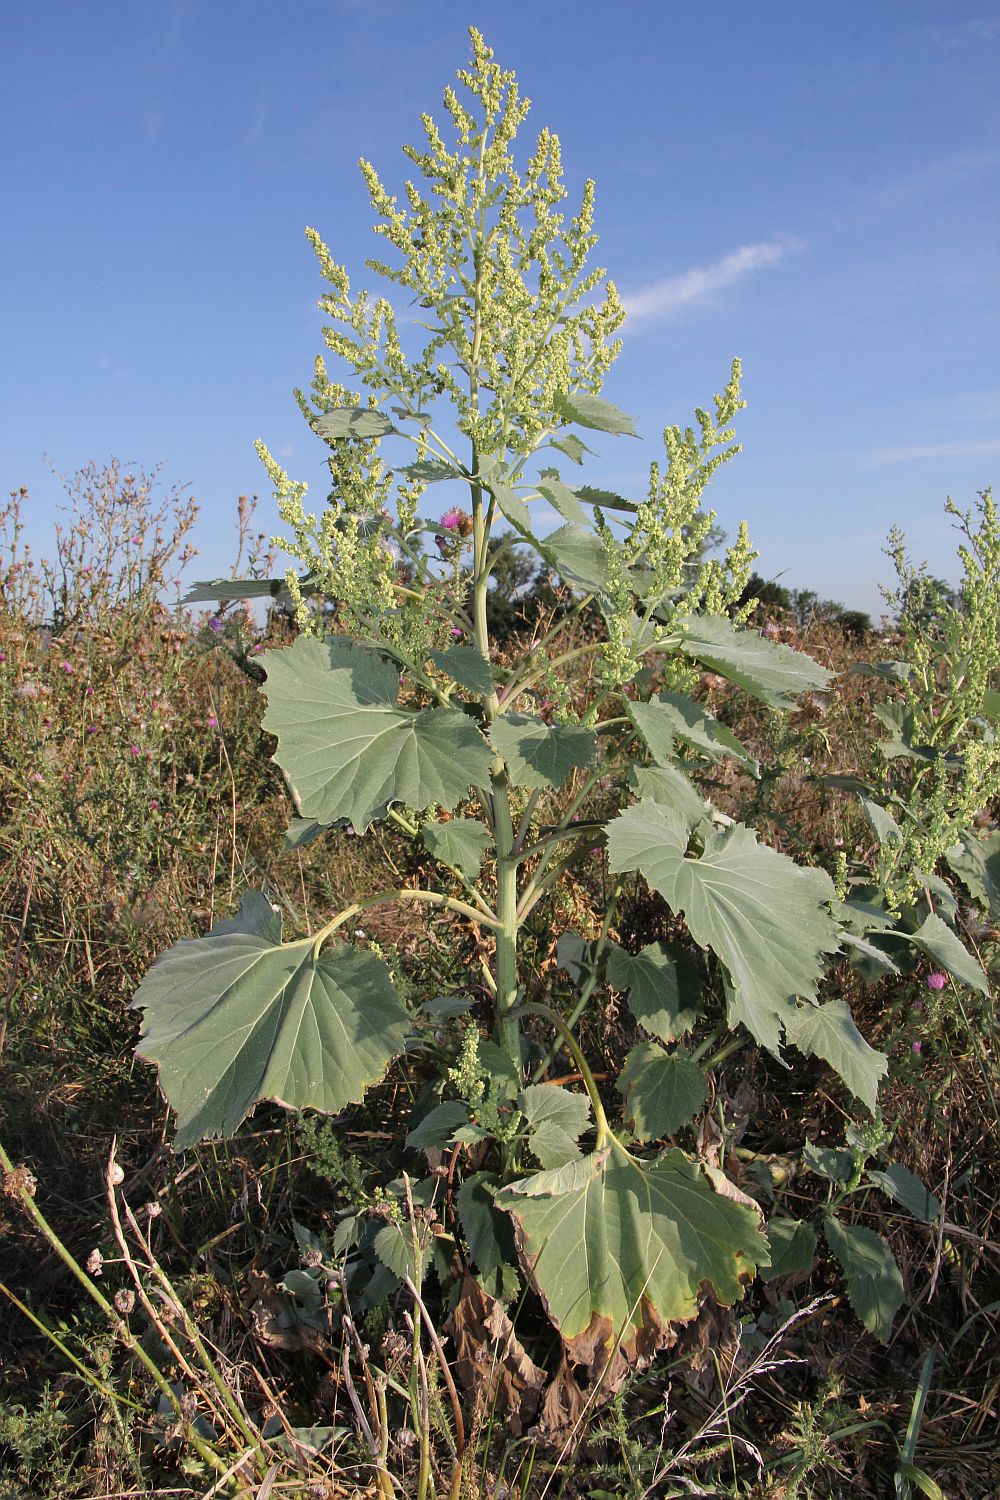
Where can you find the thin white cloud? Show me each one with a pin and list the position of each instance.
(932, 179)
(699, 285)
(917, 451)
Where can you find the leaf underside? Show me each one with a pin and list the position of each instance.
(234, 1018)
(764, 916)
(767, 670)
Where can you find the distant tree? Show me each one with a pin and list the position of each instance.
(802, 607)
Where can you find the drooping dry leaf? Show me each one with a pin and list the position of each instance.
(490, 1359)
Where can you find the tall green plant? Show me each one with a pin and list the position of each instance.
(393, 705)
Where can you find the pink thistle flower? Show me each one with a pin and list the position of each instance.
(154, 803)
(67, 666)
(452, 520)
(915, 1049)
(134, 751)
(456, 634)
(212, 722)
(936, 981)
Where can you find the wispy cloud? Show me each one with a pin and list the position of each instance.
(932, 179)
(701, 283)
(917, 451)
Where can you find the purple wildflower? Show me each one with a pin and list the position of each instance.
(456, 634)
(916, 1049)
(212, 722)
(452, 520)
(936, 981)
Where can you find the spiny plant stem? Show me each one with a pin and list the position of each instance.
(20, 1189)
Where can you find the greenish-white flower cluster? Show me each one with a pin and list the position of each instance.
(951, 702)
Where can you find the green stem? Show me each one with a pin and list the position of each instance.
(557, 835)
(604, 1131)
(540, 883)
(67, 1353)
(382, 898)
(525, 823)
(717, 1058)
(522, 684)
(589, 986)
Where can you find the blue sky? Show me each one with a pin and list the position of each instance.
(812, 188)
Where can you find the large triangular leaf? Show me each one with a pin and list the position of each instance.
(237, 1018)
(894, 671)
(884, 824)
(430, 470)
(438, 1126)
(619, 1249)
(900, 722)
(675, 716)
(578, 556)
(353, 421)
(662, 1091)
(663, 984)
(304, 831)
(539, 754)
(345, 747)
(976, 862)
(828, 1031)
(594, 412)
(606, 499)
(874, 1285)
(831, 1162)
(574, 957)
(765, 917)
(460, 843)
(767, 670)
(935, 938)
(464, 665)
